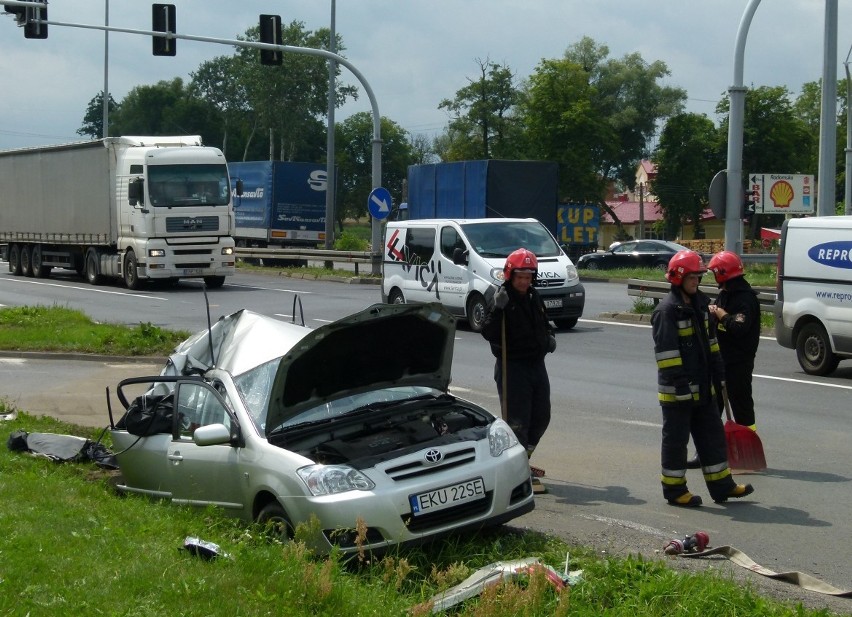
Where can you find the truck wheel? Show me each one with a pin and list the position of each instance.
(814, 350)
(93, 274)
(476, 312)
(39, 270)
(214, 282)
(26, 260)
(565, 324)
(396, 297)
(131, 273)
(15, 259)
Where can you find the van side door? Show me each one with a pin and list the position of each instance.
(453, 279)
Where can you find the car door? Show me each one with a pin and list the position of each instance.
(624, 255)
(453, 279)
(204, 475)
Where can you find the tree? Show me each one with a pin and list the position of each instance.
(775, 138)
(290, 100)
(687, 158)
(218, 82)
(93, 120)
(627, 93)
(481, 121)
(166, 108)
(354, 147)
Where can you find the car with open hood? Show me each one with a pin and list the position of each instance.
(351, 423)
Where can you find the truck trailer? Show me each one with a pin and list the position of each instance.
(135, 208)
(282, 204)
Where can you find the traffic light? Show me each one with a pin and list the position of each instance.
(749, 202)
(29, 17)
(33, 29)
(270, 32)
(163, 18)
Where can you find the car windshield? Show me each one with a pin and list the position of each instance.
(498, 239)
(255, 386)
(188, 185)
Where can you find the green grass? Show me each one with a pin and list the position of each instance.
(759, 275)
(56, 328)
(72, 546)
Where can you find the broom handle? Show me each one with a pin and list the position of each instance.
(727, 402)
(504, 403)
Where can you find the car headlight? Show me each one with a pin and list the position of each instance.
(227, 250)
(497, 274)
(334, 479)
(571, 273)
(156, 253)
(500, 437)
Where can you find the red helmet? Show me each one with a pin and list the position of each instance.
(725, 266)
(682, 263)
(521, 260)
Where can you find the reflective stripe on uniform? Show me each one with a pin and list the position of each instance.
(672, 481)
(668, 359)
(710, 477)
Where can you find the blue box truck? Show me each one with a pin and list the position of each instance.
(282, 203)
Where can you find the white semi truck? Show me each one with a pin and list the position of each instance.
(135, 208)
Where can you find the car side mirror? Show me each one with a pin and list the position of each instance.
(211, 435)
(239, 188)
(460, 256)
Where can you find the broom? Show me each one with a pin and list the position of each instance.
(745, 450)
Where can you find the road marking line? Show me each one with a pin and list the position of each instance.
(292, 291)
(95, 289)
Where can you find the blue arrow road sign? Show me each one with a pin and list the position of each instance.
(379, 203)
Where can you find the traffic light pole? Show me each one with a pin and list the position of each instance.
(377, 125)
(736, 93)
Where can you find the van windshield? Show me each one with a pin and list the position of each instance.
(498, 239)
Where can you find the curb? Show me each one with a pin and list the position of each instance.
(70, 355)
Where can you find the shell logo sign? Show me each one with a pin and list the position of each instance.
(782, 193)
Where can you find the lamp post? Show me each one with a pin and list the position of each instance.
(848, 175)
(105, 123)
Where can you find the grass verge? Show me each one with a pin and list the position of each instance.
(72, 546)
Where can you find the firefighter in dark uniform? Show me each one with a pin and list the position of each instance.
(737, 313)
(688, 366)
(517, 316)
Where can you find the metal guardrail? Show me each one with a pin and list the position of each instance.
(298, 254)
(655, 290)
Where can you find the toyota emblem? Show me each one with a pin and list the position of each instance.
(433, 456)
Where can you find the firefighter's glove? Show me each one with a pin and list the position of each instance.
(501, 298)
(551, 343)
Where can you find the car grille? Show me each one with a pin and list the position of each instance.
(450, 515)
(175, 224)
(419, 468)
(542, 283)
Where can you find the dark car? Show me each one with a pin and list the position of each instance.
(633, 254)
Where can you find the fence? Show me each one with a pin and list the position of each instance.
(305, 255)
(655, 290)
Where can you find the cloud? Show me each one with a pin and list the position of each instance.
(413, 53)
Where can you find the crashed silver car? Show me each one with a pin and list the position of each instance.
(351, 422)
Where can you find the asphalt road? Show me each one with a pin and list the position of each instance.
(601, 451)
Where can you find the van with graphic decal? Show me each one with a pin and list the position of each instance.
(459, 263)
(813, 309)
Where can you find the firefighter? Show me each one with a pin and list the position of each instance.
(737, 313)
(517, 317)
(688, 366)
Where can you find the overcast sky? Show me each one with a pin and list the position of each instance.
(413, 53)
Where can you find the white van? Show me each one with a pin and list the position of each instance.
(813, 310)
(459, 263)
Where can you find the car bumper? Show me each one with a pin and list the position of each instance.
(564, 303)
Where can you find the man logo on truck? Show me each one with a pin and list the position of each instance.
(832, 254)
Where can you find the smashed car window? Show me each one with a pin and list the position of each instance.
(199, 406)
(255, 386)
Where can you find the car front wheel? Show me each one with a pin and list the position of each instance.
(565, 324)
(275, 522)
(592, 265)
(396, 297)
(813, 350)
(476, 312)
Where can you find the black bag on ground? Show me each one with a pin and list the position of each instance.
(149, 415)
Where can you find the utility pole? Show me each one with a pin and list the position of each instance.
(641, 211)
(848, 174)
(826, 197)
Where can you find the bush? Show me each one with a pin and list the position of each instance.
(350, 242)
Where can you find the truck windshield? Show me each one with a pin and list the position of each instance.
(188, 185)
(498, 239)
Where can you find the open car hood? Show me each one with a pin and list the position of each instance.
(385, 345)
